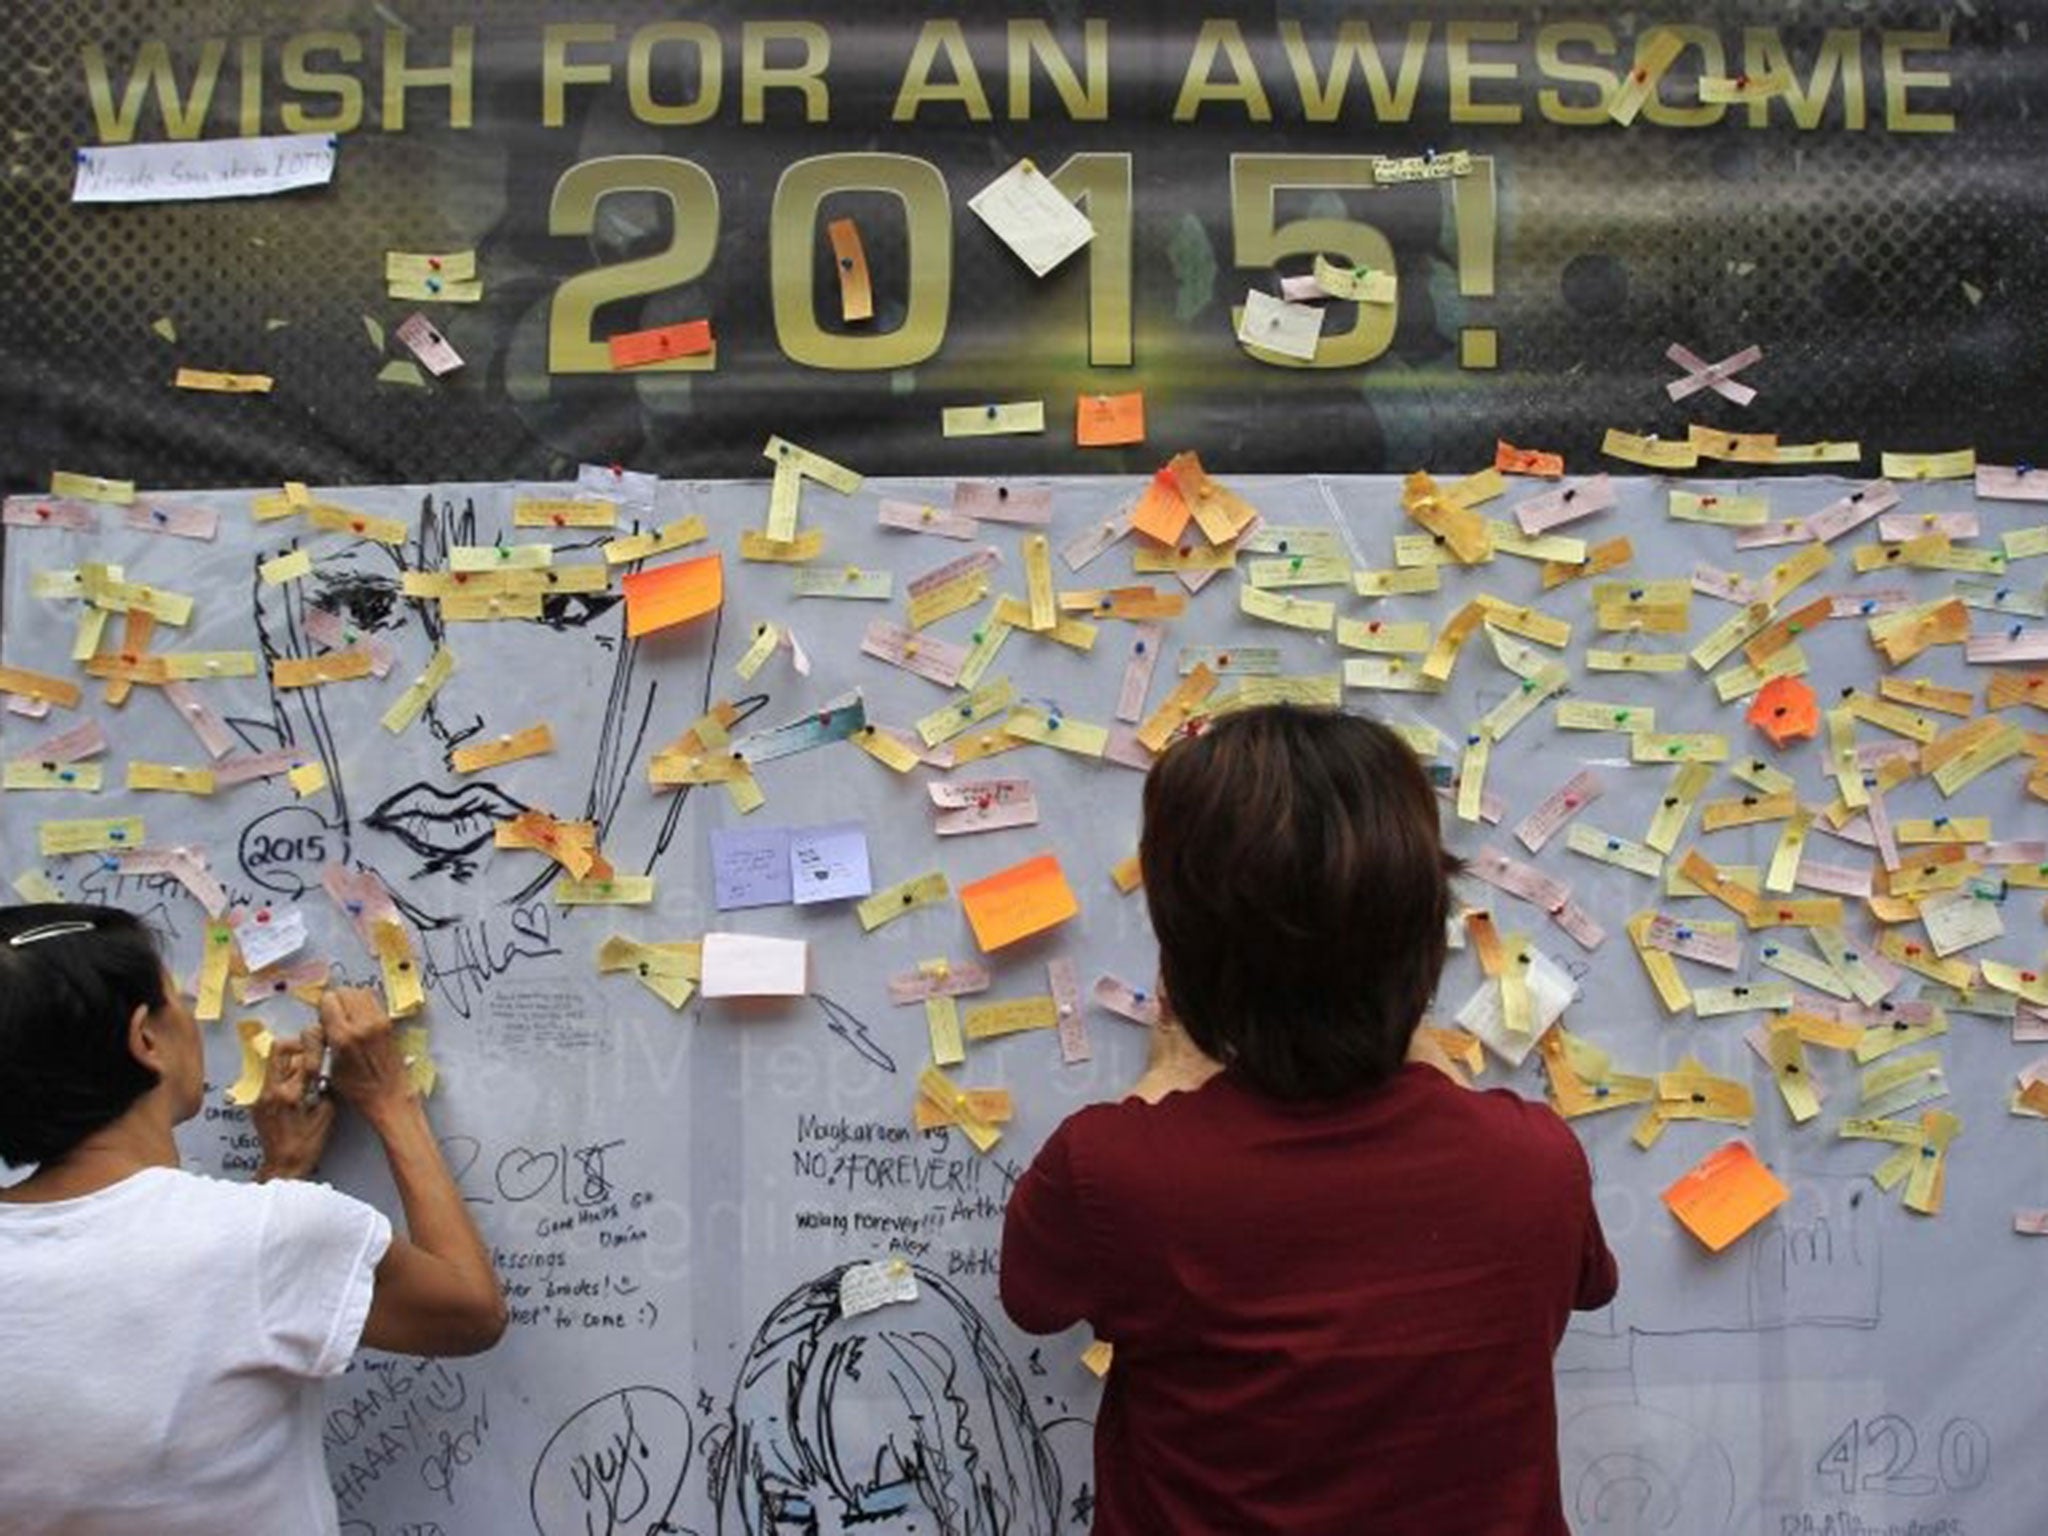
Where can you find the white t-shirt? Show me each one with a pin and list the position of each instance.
(162, 1343)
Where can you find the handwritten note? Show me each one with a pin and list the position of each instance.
(673, 594)
(203, 170)
(829, 863)
(1017, 902)
(1032, 217)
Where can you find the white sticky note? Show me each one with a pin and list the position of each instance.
(203, 169)
(269, 935)
(1274, 325)
(754, 965)
(1032, 217)
(1551, 990)
(867, 1287)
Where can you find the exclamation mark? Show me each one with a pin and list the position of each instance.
(1474, 208)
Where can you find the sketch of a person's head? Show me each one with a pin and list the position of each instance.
(907, 1418)
(396, 806)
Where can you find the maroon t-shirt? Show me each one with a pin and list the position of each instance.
(1328, 1319)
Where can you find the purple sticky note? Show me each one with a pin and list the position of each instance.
(829, 863)
(750, 867)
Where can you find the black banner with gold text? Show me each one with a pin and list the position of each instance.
(1855, 188)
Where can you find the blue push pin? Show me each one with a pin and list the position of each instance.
(1140, 647)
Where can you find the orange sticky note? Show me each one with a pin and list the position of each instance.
(636, 349)
(1724, 1195)
(1162, 512)
(673, 594)
(1785, 709)
(856, 296)
(1015, 903)
(1110, 421)
(1510, 460)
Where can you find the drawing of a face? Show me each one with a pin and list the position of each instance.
(907, 1419)
(398, 806)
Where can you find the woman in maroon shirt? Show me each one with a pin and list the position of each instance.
(1334, 1277)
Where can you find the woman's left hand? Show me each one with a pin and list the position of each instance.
(292, 1119)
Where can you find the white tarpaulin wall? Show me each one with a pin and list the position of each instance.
(661, 1187)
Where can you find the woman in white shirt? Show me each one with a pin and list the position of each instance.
(164, 1335)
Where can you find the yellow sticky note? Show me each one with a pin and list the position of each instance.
(89, 836)
(223, 383)
(210, 991)
(409, 704)
(170, 778)
(638, 546)
(256, 1047)
(1018, 416)
(1017, 902)
(885, 906)
(402, 992)
(508, 748)
(287, 567)
(564, 513)
(934, 1085)
(615, 891)
(886, 748)
(808, 545)
(79, 487)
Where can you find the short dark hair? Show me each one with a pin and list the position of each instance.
(1298, 886)
(70, 978)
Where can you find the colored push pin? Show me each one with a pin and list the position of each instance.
(991, 412)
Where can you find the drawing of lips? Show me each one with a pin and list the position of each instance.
(436, 823)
